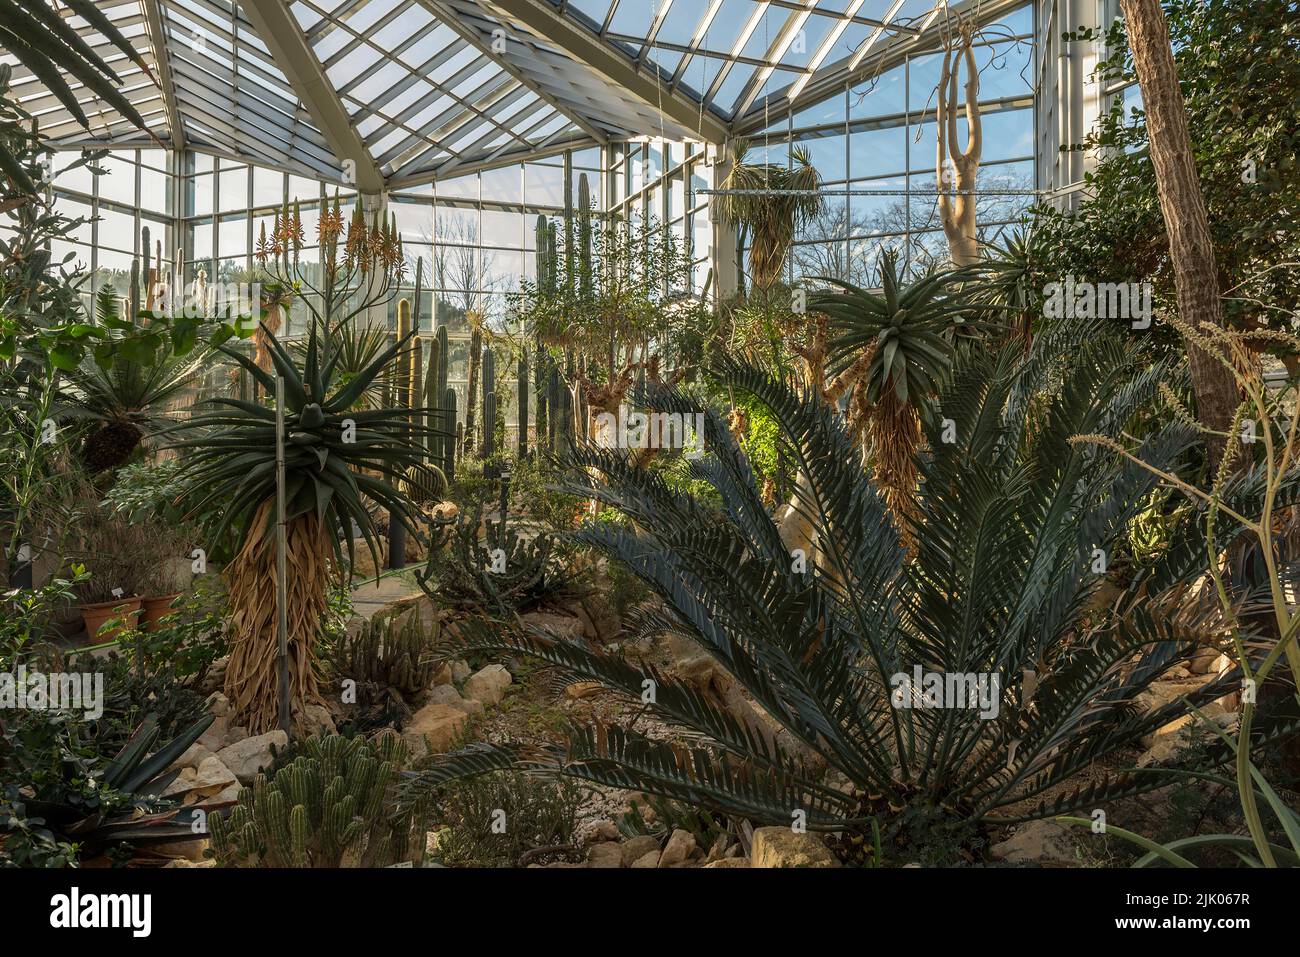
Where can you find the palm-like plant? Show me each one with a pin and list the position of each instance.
(1005, 279)
(777, 202)
(1001, 585)
(341, 462)
(889, 353)
(123, 403)
(47, 43)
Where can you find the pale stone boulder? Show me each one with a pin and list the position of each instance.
(680, 846)
(782, 847)
(433, 729)
(1040, 842)
(639, 847)
(488, 685)
(605, 856)
(447, 694)
(251, 755)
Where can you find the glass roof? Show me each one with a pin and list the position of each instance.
(427, 89)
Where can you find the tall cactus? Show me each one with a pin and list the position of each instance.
(489, 425)
(489, 392)
(521, 405)
(584, 239)
(453, 429)
(402, 393)
(433, 402)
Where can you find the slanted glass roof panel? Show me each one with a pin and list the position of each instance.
(421, 94)
(417, 90)
(231, 97)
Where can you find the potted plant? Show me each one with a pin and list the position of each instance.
(106, 618)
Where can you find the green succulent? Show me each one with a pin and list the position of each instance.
(341, 461)
(911, 327)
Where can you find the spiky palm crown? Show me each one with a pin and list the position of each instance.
(122, 403)
(907, 330)
(788, 199)
(229, 452)
(1001, 583)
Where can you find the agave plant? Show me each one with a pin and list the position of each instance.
(1002, 586)
(123, 805)
(123, 403)
(776, 201)
(889, 353)
(342, 463)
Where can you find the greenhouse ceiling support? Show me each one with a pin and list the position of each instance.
(610, 63)
(279, 31)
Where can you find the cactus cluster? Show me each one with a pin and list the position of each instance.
(333, 806)
(389, 652)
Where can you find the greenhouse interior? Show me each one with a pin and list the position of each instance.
(649, 434)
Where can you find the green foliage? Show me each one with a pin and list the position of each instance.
(332, 806)
(56, 790)
(332, 454)
(26, 616)
(188, 639)
(498, 819)
(1000, 585)
(1239, 72)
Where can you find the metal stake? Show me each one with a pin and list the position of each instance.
(281, 560)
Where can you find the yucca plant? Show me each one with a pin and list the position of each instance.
(342, 463)
(1002, 585)
(777, 201)
(124, 403)
(889, 353)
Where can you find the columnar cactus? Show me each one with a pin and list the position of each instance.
(522, 404)
(489, 401)
(450, 444)
(334, 806)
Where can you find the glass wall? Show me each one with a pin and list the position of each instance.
(133, 191)
(874, 145)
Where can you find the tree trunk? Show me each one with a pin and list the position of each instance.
(957, 213)
(252, 676)
(1183, 208)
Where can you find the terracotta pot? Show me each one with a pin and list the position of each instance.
(95, 616)
(155, 608)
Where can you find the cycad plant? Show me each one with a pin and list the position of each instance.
(342, 462)
(123, 404)
(889, 353)
(1001, 598)
(776, 201)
